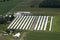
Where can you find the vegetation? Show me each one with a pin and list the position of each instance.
(36, 7)
(50, 4)
(42, 36)
(3, 27)
(6, 19)
(7, 6)
(56, 24)
(29, 5)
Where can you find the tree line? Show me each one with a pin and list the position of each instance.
(3, 0)
(47, 4)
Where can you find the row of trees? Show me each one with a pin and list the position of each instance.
(2, 20)
(50, 3)
(3, 0)
(47, 3)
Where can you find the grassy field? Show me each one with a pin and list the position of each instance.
(8, 5)
(24, 5)
(3, 27)
(43, 36)
(56, 24)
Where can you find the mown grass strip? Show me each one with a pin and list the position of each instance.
(42, 36)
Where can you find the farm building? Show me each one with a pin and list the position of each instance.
(22, 13)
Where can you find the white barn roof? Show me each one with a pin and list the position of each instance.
(17, 35)
(21, 13)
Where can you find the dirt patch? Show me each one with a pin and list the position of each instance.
(23, 36)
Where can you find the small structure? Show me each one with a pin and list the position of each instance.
(22, 13)
(17, 35)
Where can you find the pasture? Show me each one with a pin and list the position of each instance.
(7, 6)
(36, 35)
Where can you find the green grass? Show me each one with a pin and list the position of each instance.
(37, 11)
(56, 24)
(6, 6)
(43, 36)
(24, 5)
(3, 27)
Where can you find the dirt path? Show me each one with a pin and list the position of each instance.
(23, 35)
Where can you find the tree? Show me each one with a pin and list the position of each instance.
(7, 0)
(4, 0)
